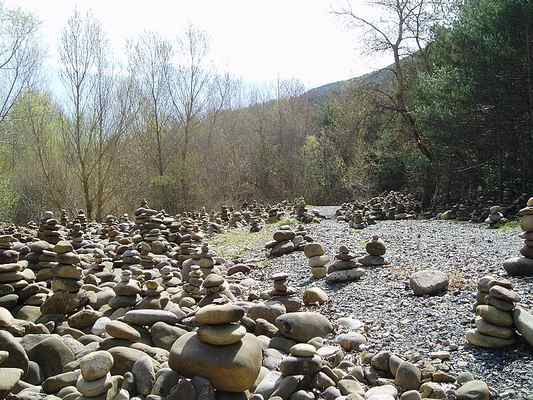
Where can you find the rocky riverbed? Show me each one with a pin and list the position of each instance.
(398, 321)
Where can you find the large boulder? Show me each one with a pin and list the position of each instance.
(303, 326)
(232, 368)
(52, 354)
(428, 282)
(17, 356)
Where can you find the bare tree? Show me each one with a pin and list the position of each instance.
(403, 28)
(95, 117)
(19, 55)
(188, 81)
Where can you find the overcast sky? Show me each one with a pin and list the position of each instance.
(257, 40)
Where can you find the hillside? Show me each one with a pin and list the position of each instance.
(374, 78)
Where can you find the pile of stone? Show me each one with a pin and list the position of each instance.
(358, 221)
(126, 292)
(255, 225)
(94, 379)
(523, 265)
(302, 214)
(215, 289)
(50, 229)
(495, 218)
(274, 215)
(194, 280)
(282, 293)
(344, 268)
(376, 249)
(15, 278)
(494, 309)
(282, 243)
(317, 258)
(67, 275)
(220, 350)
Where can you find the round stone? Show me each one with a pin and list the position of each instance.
(313, 250)
(221, 335)
(120, 330)
(302, 350)
(96, 365)
(375, 247)
(215, 314)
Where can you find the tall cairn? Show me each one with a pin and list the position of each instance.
(523, 265)
(494, 320)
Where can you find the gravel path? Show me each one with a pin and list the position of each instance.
(396, 320)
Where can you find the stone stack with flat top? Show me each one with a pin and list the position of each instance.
(318, 259)
(282, 293)
(344, 268)
(494, 321)
(376, 249)
(523, 265)
(126, 291)
(220, 350)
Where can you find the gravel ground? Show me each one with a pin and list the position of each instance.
(395, 319)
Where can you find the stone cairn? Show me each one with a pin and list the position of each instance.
(67, 277)
(214, 289)
(94, 379)
(523, 265)
(255, 225)
(193, 287)
(15, 277)
(49, 229)
(495, 218)
(126, 292)
(152, 296)
(282, 293)
(358, 220)
(494, 314)
(376, 250)
(317, 258)
(282, 243)
(344, 268)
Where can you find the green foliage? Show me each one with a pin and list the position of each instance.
(8, 200)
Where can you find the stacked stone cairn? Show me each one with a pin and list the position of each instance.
(274, 215)
(376, 249)
(152, 296)
(358, 220)
(344, 268)
(317, 258)
(81, 219)
(494, 314)
(495, 218)
(193, 287)
(50, 229)
(282, 293)
(170, 279)
(523, 265)
(15, 277)
(94, 379)
(220, 350)
(126, 292)
(215, 289)
(282, 243)
(67, 281)
(64, 218)
(255, 225)
(77, 236)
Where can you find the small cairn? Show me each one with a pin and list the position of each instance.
(344, 268)
(152, 296)
(523, 265)
(495, 218)
(66, 283)
(214, 289)
(494, 321)
(317, 258)
(193, 287)
(14, 274)
(126, 291)
(255, 225)
(376, 249)
(169, 279)
(358, 220)
(95, 378)
(302, 360)
(50, 229)
(282, 243)
(282, 293)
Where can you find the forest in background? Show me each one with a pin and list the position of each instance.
(452, 117)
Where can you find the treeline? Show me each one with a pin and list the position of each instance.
(453, 115)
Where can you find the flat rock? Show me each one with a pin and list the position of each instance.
(428, 282)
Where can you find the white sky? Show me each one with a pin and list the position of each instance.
(257, 40)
